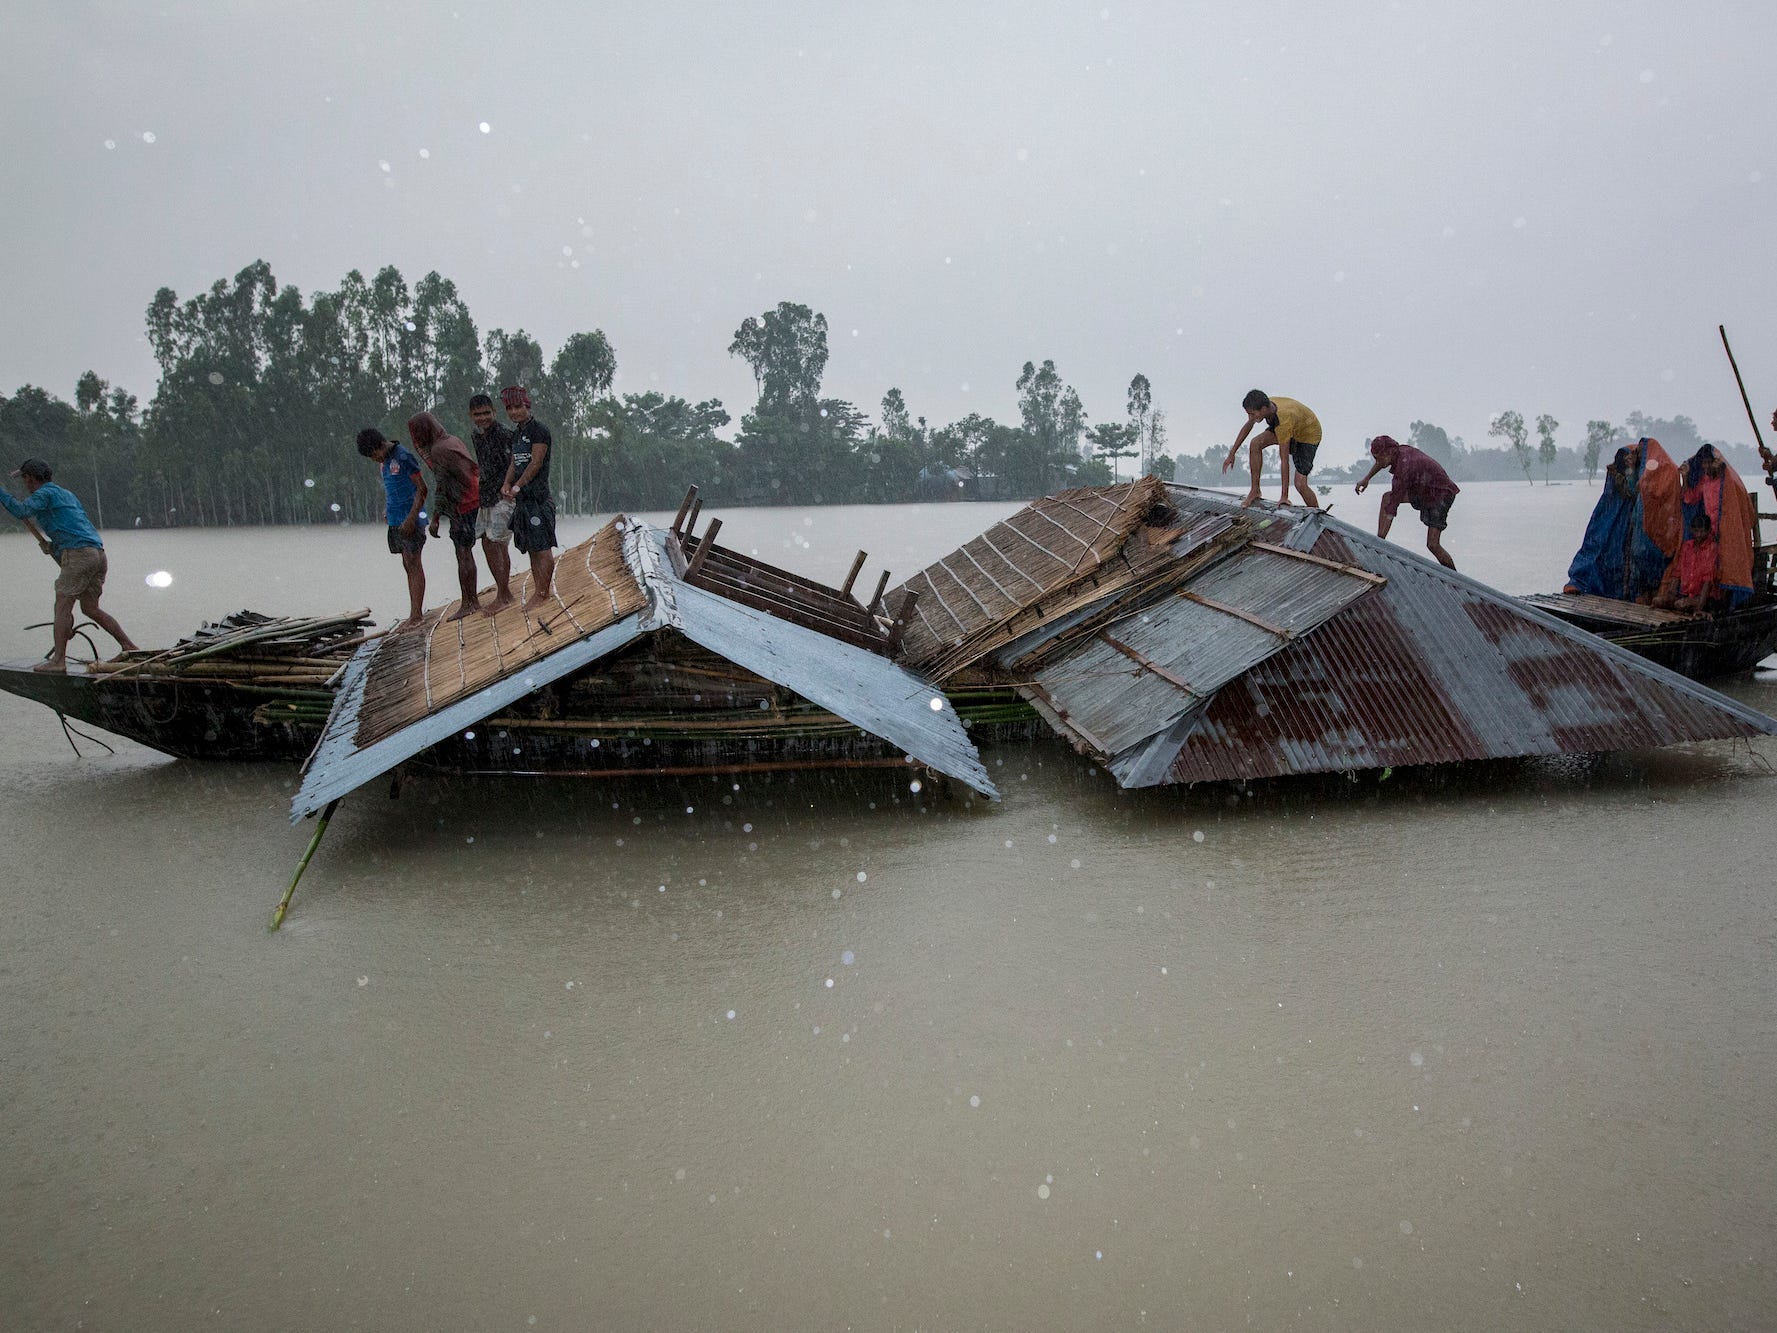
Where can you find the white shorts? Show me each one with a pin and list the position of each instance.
(494, 523)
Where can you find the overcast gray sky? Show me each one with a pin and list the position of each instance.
(1391, 210)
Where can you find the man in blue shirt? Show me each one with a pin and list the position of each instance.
(71, 539)
(404, 492)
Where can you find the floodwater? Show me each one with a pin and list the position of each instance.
(1471, 1049)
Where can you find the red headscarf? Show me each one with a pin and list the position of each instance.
(1383, 448)
(513, 395)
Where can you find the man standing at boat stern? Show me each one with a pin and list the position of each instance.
(493, 523)
(404, 499)
(1421, 481)
(1292, 429)
(69, 537)
(527, 486)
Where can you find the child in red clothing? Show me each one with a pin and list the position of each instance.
(1691, 581)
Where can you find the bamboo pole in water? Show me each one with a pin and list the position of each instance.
(277, 917)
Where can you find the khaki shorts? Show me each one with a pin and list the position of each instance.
(494, 523)
(83, 572)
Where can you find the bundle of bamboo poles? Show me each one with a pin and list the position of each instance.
(251, 651)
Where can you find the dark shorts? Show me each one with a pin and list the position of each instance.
(1436, 516)
(399, 545)
(462, 529)
(533, 525)
(1302, 456)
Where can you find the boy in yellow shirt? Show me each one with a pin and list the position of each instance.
(1293, 429)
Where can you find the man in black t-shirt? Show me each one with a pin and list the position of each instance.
(527, 486)
(493, 524)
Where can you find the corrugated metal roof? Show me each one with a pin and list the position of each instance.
(864, 688)
(860, 686)
(1435, 667)
(1141, 674)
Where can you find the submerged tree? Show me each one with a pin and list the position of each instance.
(1509, 426)
(1598, 434)
(1113, 440)
(1545, 432)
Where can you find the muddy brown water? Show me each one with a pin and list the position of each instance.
(1491, 1047)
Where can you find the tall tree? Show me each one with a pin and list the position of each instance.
(1431, 440)
(1112, 441)
(1141, 411)
(1545, 432)
(1160, 463)
(1598, 434)
(787, 349)
(1509, 426)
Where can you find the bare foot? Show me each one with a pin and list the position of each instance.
(466, 610)
(498, 605)
(536, 603)
(1252, 498)
(53, 666)
(412, 622)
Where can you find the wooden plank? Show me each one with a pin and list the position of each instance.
(852, 577)
(796, 614)
(1236, 612)
(684, 508)
(1322, 561)
(1148, 664)
(1067, 721)
(703, 549)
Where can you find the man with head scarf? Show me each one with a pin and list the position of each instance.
(459, 496)
(527, 485)
(1421, 481)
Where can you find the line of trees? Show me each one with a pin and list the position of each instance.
(262, 390)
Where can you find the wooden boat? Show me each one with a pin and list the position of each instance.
(1699, 645)
(247, 687)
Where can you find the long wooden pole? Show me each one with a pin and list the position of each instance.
(277, 917)
(1765, 455)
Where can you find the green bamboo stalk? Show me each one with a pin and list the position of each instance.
(277, 917)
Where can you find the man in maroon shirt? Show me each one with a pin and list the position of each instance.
(1422, 483)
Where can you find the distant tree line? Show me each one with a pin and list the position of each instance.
(262, 390)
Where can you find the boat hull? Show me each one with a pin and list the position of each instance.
(1702, 647)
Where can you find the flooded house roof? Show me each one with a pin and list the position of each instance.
(974, 598)
(409, 691)
(1228, 643)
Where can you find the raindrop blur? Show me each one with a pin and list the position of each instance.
(215, 377)
(147, 136)
(486, 128)
(159, 579)
(309, 482)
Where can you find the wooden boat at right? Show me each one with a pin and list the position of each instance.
(1701, 645)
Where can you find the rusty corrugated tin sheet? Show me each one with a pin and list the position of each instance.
(1139, 675)
(1435, 667)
